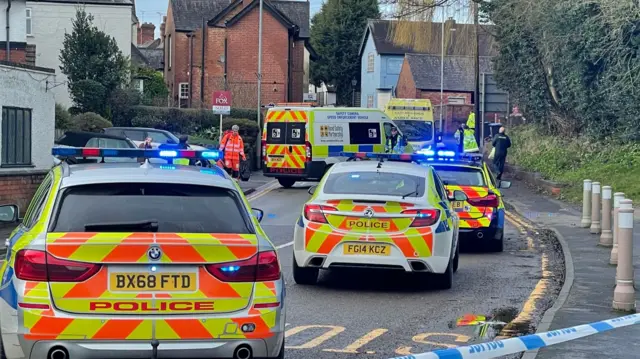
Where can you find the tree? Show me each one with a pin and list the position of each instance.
(336, 35)
(93, 64)
(154, 87)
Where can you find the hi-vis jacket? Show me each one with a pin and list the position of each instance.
(390, 148)
(470, 144)
(233, 147)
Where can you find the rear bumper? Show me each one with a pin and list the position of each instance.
(313, 171)
(88, 349)
(495, 230)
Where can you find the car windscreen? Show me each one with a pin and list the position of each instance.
(150, 207)
(375, 183)
(460, 176)
(415, 130)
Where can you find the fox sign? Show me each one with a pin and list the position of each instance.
(222, 102)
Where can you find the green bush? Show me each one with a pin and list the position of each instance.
(179, 120)
(571, 161)
(90, 122)
(63, 118)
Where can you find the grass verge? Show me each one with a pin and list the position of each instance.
(572, 160)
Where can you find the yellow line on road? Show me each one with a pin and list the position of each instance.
(364, 340)
(256, 195)
(333, 331)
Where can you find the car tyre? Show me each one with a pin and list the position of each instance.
(304, 276)
(456, 259)
(286, 182)
(2, 354)
(497, 245)
(445, 280)
(281, 355)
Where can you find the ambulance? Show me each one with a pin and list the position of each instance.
(300, 143)
(416, 117)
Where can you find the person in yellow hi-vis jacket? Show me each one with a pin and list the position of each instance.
(470, 144)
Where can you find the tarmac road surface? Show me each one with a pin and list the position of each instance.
(381, 315)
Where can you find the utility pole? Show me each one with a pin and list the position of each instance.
(259, 120)
(476, 94)
(442, 71)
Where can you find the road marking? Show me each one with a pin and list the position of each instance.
(420, 338)
(514, 218)
(262, 192)
(333, 331)
(362, 341)
(284, 245)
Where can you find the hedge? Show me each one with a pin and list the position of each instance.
(178, 120)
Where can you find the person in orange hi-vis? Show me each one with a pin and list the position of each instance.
(233, 148)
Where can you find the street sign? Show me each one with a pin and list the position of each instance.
(310, 96)
(222, 102)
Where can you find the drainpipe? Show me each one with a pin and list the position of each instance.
(226, 61)
(190, 35)
(289, 63)
(204, 35)
(8, 50)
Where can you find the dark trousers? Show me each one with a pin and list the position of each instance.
(498, 164)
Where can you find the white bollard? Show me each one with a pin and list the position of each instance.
(606, 238)
(624, 296)
(595, 208)
(617, 197)
(586, 204)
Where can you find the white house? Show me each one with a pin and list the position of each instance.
(51, 19)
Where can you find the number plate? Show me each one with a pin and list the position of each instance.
(367, 249)
(457, 204)
(276, 159)
(153, 282)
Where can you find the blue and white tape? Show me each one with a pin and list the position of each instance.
(528, 342)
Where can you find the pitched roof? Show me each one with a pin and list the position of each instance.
(458, 71)
(93, 2)
(137, 57)
(461, 42)
(188, 14)
(154, 57)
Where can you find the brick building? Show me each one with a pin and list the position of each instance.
(230, 50)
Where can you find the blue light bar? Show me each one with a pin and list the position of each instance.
(421, 156)
(134, 153)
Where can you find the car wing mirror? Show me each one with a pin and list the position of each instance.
(504, 184)
(258, 213)
(458, 196)
(312, 190)
(9, 213)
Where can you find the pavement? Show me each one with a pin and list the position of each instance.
(588, 292)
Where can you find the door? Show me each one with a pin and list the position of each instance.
(286, 142)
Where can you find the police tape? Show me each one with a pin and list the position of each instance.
(528, 342)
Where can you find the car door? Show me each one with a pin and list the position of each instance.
(442, 193)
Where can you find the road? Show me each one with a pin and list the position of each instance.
(381, 315)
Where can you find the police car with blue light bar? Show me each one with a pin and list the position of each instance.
(385, 214)
(139, 260)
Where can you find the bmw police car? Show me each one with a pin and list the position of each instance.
(381, 214)
(482, 213)
(130, 260)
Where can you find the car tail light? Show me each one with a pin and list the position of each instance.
(264, 151)
(308, 151)
(42, 267)
(424, 217)
(262, 267)
(314, 212)
(491, 200)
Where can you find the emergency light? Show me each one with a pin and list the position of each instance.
(135, 153)
(421, 156)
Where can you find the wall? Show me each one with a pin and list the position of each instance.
(406, 86)
(390, 70)
(17, 22)
(52, 20)
(434, 96)
(25, 87)
(369, 81)
(305, 79)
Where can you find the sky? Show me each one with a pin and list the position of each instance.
(153, 11)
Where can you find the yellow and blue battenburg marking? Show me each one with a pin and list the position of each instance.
(136, 152)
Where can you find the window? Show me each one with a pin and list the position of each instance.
(290, 133)
(101, 142)
(29, 23)
(454, 100)
(158, 137)
(415, 130)
(276, 133)
(184, 90)
(134, 135)
(369, 101)
(439, 187)
(37, 203)
(364, 133)
(16, 137)
(460, 176)
(371, 58)
(139, 207)
(375, 183)
(169, 51)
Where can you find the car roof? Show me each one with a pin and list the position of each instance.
(406, 168)
(86, 136)
(476, 165)
(131, 172)
(137, 128)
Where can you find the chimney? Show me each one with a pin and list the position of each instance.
(162, 27)
(146, 33)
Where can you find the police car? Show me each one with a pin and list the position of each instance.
(482, 213)
(130, 260)
(382, 213)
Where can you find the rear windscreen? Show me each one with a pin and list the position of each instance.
(286, 133)
(276, 132)
(295, 133)
(375, 183)
(150, 207)
(460, 176)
